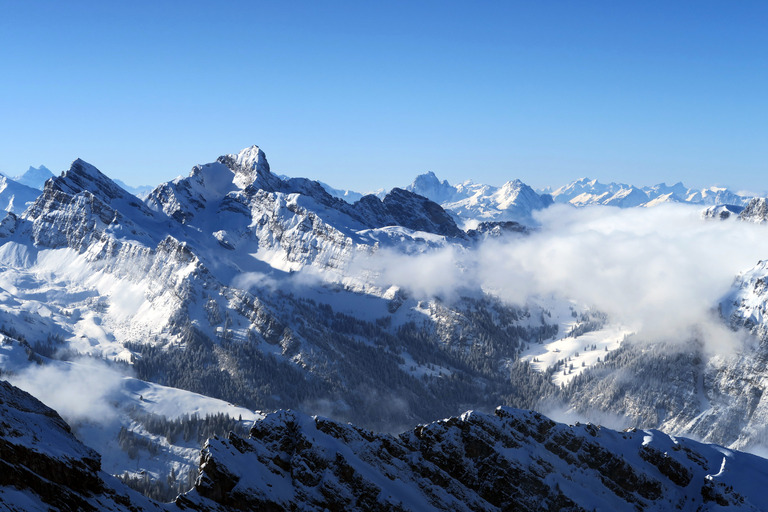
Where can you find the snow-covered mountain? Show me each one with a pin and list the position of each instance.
(472, 203)
(511, 460)
(584, 192)
(756, 210)
(34, 177)
(211, 286)
(234, 289)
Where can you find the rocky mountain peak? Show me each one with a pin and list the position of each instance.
(249, 165)
(82, 176)
(756, 211)
(87, 202)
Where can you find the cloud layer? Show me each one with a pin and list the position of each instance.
(661, 271)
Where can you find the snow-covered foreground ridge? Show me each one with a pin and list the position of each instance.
(513, 459)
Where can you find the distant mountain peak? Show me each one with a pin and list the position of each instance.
(141, 191)
(513, 185)
(584, 191)
(35, 177)
(430, 186)
(469, 202)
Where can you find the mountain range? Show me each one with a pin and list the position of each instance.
(235, 289)
(472, 203)
(515, 201)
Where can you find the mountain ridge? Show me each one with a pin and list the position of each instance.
(512, 459)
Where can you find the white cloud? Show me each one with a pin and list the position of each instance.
(79, 391)
(661, 271)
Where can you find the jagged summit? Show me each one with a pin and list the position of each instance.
(82, 176)
(249, 165)
(402, 207)
(229, 173)
(211, 281)
(513, 459)
(88, 204)
(243, 182)
(756, 211)
(252, 158)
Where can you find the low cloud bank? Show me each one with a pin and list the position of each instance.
(660, 271)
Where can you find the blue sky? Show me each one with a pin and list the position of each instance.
(366, 95)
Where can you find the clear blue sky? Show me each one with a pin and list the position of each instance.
(366, 95)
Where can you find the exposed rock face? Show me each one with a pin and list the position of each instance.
(513, 460)
(156, 284)
(177, 255)
(722, 212)
(246, 178)
(496, 229)
(681, 388)
(755, 211)
(43, 466)
(403, 208)
(82, 206)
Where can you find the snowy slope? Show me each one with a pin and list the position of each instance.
(15, 197)
(755, 211)
(472, 203)
(43, 467)
(210, 285)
